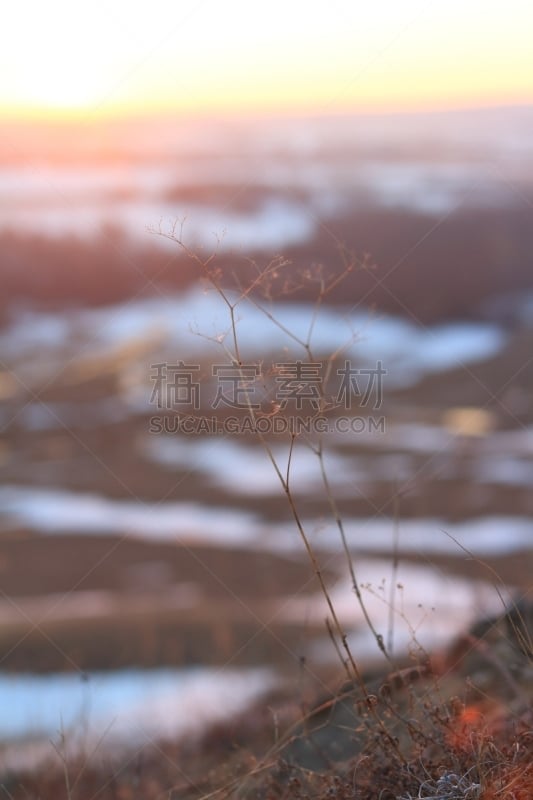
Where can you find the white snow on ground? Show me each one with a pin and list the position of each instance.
(429, 606)
(58, 512)
(241, 469)
(37, 341)
(130, 707)
(244, 469)
(482, 536)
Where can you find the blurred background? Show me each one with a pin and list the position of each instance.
(149, 576)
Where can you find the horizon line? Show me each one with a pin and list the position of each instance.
(77, 116)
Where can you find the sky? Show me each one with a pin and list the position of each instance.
(109, 57)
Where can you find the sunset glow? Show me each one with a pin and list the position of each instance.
(107, 58)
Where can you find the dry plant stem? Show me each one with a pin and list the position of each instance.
(395, 564)
(349, 663)
(89, 757)
(521, 629)
(320, 454)
(284, 479)
(484, 564)
(285, 483)
(355, 584)
(61, 753)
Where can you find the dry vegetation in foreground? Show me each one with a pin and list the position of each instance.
(451, 726)
(459, 727)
